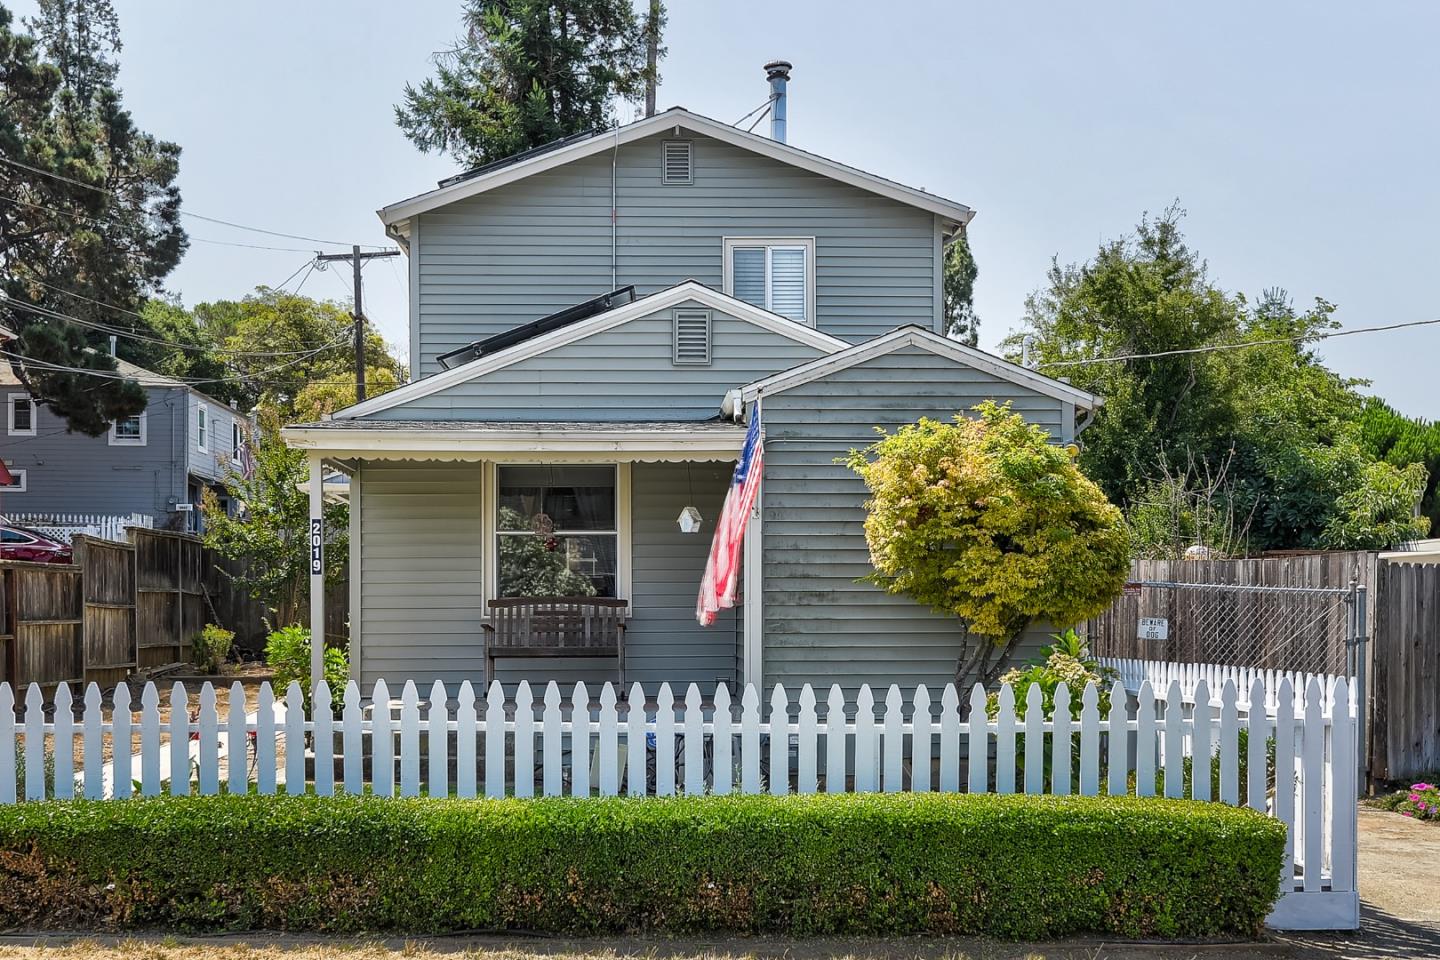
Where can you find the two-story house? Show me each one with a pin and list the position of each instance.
(593, 326)
(152, 464)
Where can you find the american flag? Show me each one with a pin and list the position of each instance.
(722, 570)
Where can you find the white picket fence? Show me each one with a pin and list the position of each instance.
(1159, 674)
(575, 746)
(64, 526)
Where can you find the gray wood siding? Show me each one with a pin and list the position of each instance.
(663, 641)
(822, 626)
(421, 574)
(626, 373)
(72, 473)
(530, 248)
(213, 462)
(422, 578)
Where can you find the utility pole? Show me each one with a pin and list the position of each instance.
(652, 54)
(357, 260)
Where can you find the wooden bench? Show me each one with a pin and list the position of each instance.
(555, 627)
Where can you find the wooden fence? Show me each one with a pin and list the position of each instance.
(41, 623)
(107, 583)
(169, 595)
(116, 608)
(1405, 677)
(1146, 745)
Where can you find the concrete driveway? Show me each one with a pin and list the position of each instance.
(1399, 866)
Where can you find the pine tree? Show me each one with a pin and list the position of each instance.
(89, 210)
(959, 292)
(528, 72)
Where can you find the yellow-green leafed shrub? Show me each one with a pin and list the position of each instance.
(1012, 866)
(985, 519)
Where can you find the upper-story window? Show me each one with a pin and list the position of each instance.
(237, 440)
(202, 427)
(128, 432)
(777, 273)
(21, 416)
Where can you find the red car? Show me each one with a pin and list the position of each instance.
(18, 543)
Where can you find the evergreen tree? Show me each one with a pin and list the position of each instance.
(89, 211)
(528, 72)
(959, 293)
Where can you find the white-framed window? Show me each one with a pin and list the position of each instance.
(776, 273)
(128, 432)
(22, 415)
(16, 484)
(559, 529)
(202, 427)
(237, 440)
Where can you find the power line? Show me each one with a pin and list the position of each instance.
(95, 219)
(187, 213)
(144, 338)
(166, 380)
(1213, 348)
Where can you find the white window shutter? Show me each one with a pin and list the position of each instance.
(692, 336)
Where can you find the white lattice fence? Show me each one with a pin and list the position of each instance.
(65, 526)
(573, 746)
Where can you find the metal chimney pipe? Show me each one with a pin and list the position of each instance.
(778, 73)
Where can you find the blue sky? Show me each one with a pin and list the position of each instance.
(1300, 137)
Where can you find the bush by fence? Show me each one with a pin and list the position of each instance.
(1015, 866)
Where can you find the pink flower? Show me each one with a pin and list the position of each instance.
(1406, 813)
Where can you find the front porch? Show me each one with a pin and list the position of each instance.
(447, 517)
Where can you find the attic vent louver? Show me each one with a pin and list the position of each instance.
(692, 336)
(676, 162)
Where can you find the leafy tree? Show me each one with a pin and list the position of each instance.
(290, 353)
(987, 520)
(527, 72)
(959, 291)
(1234, 390)
(91, 210)
(1378, 510)
(1144, 294)
(1400, 440)
(271, 536)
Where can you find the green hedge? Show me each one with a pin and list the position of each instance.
(1016, 867)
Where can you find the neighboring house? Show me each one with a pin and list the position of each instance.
(542, 419)
(151, 464)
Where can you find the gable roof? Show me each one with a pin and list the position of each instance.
(913, 336)
(688, 290)
(562, 152)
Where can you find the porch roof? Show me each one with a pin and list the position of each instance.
(651, 440)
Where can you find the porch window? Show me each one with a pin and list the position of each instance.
(557, 530)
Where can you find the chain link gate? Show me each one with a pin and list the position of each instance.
(1306, 629)
(1319, 630)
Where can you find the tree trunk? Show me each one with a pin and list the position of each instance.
(652, 56)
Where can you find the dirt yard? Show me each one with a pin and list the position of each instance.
(249, 675)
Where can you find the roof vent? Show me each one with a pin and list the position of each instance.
(677, 162)
(692, 336)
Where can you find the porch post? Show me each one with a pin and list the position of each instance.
(317, 570)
